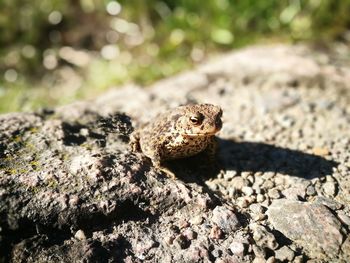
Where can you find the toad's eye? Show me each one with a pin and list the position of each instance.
(196, 119)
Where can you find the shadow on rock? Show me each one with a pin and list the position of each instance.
(252, 157)
(261, 157)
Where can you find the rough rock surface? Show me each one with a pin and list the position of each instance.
(71, 191)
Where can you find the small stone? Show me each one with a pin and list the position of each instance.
(259, 260)
(284, 254)
(247, 190)
(196, 220)
(274, 193)
(257, 189)
(216, 253)
(181, 242)
(294, 193)
(279, 180)
(320, 151)
(331, 203)
(344, 218)
(257, 208)
(230, 174)
(242, 202)
(259, 252)
(260, 198)
(245, 174)
(268, 184)
(258, 180)
(169, 240)
(197, 254)
(225, 219)
(299, 259)
(268, 175)
(237, 248)
(263, 237)
(329, 189)
(190, 234)
(271, 259)
(184, 224)
(238, 182)
(80, 235)
(310, 190)
(216, 232)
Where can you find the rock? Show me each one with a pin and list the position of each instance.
(332, 204)
(263, 237)
(330, 189)
(196, 220)
(80, 235)
(312, 226)
(345, 219)
(69, 170)
(320, 151)
(274, 193)
(216, 232)
(247, 190)
(284, 254)
(181, 242)
(237, 248)
(310, 190)
(225, 219)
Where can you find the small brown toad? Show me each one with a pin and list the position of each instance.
(181, 132)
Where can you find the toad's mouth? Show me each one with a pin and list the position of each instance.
(199, 134)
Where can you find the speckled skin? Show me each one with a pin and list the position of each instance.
(181, 132)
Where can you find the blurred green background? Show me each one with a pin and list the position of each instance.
(56, 51)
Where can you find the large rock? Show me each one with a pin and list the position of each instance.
(70, 189)
(312, 226)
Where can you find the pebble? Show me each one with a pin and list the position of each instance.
(258, 180)
(80, 235)
(245, 175)
(320, 151)
(225, 219)
(230, 174)
(243, 202)
(274, 193)
(263, 237)
(216, 232)
(284, 254)
(196, 220)
(169, 240)
(260, 198)
(181, 242)
(310, 190)
(238, 182)
(344, 218)
(271, 259)
(295, 193)
(190, 234)
(299, 259)
(258, 252)
(331, 203)
(268, 184)
(259, 260)
(247, 190)
(237, 248)
(330, 189)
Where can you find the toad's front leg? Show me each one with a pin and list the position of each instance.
(156, 157)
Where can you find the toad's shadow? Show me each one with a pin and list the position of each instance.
(254, 157)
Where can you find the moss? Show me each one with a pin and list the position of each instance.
(52, 183)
